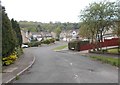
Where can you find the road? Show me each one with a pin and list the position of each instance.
(66, 67)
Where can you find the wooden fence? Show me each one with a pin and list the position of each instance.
(106, 43)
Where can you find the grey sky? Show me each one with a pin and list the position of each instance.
(46, 10)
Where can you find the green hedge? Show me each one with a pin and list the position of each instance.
(48, 41)
(34, 44)
(57, 39)
(75, 45)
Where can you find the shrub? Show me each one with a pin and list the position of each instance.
(34, 44)
(76, 44)
(18, 51)
(57, 39)
(48, 41)
(52, 40)
(9, 60)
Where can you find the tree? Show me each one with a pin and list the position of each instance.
(0, 29)
(58, 31)
(9, 40)
(16, 28)
(117, 21)
(99, 16)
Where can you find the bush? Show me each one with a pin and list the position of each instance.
(9, 60)
(34, 44)
(52, 40)
(57, 39)
(75, 45)
(48, 41)
(19, 51)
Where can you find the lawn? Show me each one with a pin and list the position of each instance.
(112, 61)
(113, 50)
(60, 47)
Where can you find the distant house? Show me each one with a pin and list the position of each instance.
(41, 35)
(46, 35)
(109, 34)
(37, 36)
(69, 35)
(26, 36)
(53, 34)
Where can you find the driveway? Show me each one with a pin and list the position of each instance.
(66, 67)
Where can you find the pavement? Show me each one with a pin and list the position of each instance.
(13, 71)
(87, 53)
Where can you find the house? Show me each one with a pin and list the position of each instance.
(68, 35)
(53, 34)
(109, 34)
(46, 35)
(37, 36)
(41, 35)
(26, 36)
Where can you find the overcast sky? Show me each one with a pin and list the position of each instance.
(46, 10)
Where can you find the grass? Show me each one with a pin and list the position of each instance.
(17, 77)
(112, 61)
(114, 50)
(60, 47)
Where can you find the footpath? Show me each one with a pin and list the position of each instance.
(87, 53)
(11, 72)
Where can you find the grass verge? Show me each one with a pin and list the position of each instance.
(114, 50)
(112, 61)
(60, 47)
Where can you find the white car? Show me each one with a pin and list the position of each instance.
(24, 46)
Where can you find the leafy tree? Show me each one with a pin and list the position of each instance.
(16, 28)
(0, 29)
(39, 28)
(58, 31)
(29, 25)
(117, 21)
(99, 17)
(9, 40)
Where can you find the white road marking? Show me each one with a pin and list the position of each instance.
(70, 63)
(77, 78)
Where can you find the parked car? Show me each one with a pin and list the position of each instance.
(24, 46)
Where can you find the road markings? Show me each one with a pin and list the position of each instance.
(76, 76)
(71, 64)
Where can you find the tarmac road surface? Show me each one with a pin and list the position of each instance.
(66, 67)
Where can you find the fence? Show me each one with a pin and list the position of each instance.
(106, 43)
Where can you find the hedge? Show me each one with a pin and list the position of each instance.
(75, 45)
(48, 41)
